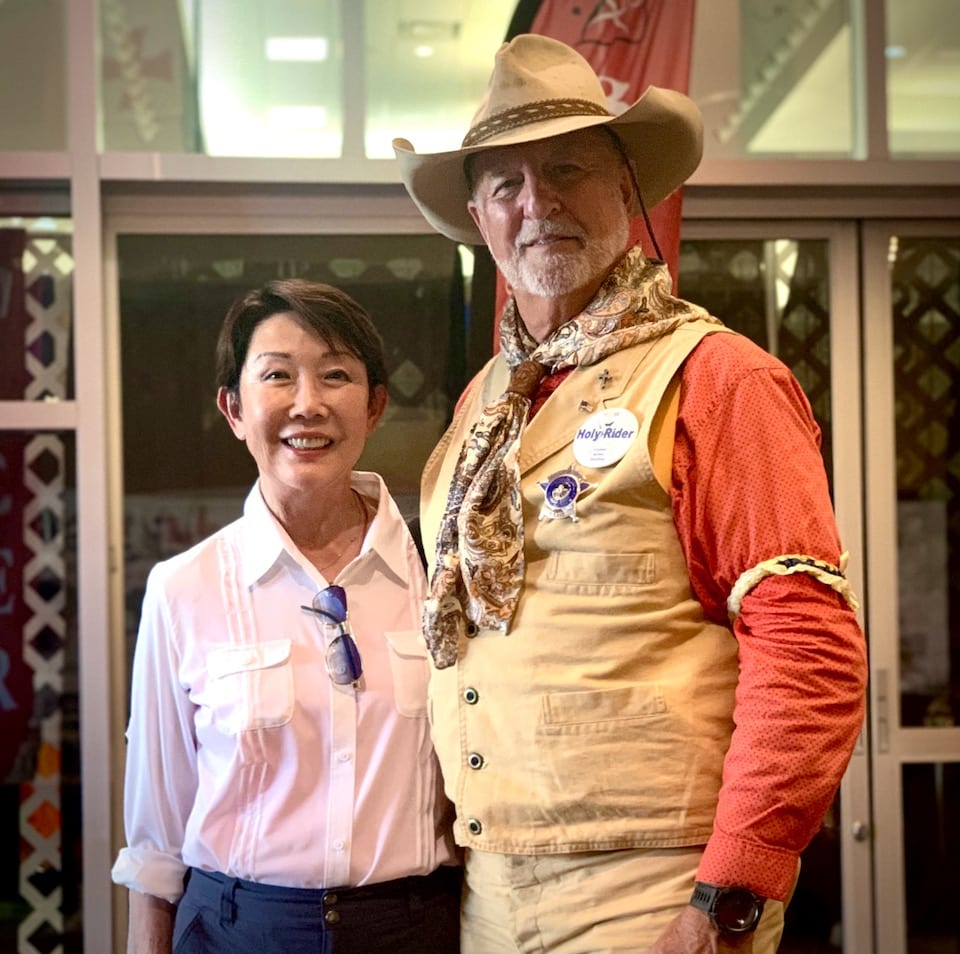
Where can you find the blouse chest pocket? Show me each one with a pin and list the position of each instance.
(410, 671)
(251, 687)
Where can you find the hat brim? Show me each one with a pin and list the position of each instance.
(662, 133)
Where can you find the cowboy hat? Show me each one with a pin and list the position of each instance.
(540, 88)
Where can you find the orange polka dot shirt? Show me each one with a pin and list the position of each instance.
(748, 485)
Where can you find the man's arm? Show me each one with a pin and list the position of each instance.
(749, 486)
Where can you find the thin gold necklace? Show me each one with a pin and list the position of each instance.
(365, 517)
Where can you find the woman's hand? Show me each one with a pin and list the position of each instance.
(150, 925)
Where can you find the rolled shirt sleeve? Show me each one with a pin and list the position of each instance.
(161, 765)
(749, 486)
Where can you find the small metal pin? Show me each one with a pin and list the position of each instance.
(604, 377)
(585, 406)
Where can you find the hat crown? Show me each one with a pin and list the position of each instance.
(541, 88)
(533, 77)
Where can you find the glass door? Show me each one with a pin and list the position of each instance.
(911, 293)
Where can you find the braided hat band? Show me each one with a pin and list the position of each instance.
(529, 114)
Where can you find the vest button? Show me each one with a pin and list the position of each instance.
(474, 826)
(475, 760)
(470, 696)
(331, 917)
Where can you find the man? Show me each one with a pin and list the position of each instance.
(647, 676)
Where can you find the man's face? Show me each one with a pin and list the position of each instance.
(555, 214)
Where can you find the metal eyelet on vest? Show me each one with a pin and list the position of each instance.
(474, 826)
(475, 760)
(472, 630)
(470, 696)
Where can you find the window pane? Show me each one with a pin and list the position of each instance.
(40, 867)
(923, 77)
(259, 78)
(33, 96)
(776, 292)
(147, 81)
(427, 73)
(762, 73)
(36, 293)
(925, 292)
(270, 78)
(931, 839)
(185, 474)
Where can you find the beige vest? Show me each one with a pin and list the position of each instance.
(602, 719)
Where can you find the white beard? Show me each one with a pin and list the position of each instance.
(561, 272)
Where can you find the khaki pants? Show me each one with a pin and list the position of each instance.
(605, 902)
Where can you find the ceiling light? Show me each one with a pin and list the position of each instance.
(297, 117)
(297, 49)
(429, 30)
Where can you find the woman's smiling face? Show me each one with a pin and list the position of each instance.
(304, 408)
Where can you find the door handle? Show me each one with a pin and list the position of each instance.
(881, 681)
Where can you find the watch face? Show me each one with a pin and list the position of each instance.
(737, 910)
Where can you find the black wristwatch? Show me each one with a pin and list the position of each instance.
(732, 910)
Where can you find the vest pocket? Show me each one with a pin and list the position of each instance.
(598, 574)
(598, 711)
(251, 687)
(621, 768)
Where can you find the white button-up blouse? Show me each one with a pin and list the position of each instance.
(243, 757)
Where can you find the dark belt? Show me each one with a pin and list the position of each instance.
(235, 897)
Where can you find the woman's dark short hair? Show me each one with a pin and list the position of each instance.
(332, 315)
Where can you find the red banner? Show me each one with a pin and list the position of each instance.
(631, 44)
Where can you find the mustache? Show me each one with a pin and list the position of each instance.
(534, 229)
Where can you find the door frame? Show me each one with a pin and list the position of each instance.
(893, 746)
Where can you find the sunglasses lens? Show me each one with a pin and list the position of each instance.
(343, 661)
(332, 603)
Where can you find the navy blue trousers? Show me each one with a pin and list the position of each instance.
(221, 915)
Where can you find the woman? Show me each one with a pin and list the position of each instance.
(279, 760)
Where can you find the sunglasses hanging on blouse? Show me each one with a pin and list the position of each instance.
(342, 658)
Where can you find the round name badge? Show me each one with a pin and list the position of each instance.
(604, 437)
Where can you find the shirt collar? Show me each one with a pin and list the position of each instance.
(265, 543)
(384, 536)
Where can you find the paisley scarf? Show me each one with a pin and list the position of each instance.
(480, 560)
